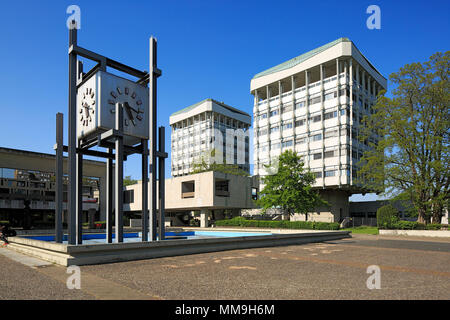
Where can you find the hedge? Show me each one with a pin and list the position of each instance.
(285, 224)
(414, 225)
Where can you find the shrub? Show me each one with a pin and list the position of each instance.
(414, 225)
(434, 226)
(406, 225)
(387, 216)
(284, 224)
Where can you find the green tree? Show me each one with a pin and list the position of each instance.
(128, 181)
(205, 164)
(387, 216)
(290, 187)
(411, 152)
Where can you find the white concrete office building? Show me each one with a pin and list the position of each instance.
(314, 104)
(205, 126)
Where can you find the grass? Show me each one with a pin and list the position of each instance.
(363, 229)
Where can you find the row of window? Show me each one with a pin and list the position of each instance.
(300, 122)
(208, 116)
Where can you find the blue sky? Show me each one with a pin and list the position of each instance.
(206, 49)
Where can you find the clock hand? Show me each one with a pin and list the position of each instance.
(129, 113)
(133, 109)
(86, 111)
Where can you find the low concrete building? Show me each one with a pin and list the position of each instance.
(27, 186)
(210, 195)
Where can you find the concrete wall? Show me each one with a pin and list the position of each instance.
(339, 208)
(240, 193)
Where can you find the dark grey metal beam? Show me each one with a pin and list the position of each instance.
(104, 60)
(79, 218)
(71, 195)
(153, 124)
(109, 197)
(118, 192)
(93, 153)
(59, 180)
(144, 190)
(162, 183)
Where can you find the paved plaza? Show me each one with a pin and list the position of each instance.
(411, 268)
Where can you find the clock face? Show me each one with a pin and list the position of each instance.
(132, 105)
(87, 109)
(96, 107)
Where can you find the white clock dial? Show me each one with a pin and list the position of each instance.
(87, 108)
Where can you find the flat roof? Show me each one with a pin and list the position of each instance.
(305, 56)
(41, 154)
(191, 107)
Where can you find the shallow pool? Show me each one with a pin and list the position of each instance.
(92, 238)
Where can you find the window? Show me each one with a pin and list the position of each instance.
(314, 100)
(315, 118)
(299, 105)
(317, 137)
(274, 129)
(330, 173)
(287, 144)
(273, 113)
(344, 92)
(262, 132)
(300, 122)
(330, 134)
(300, 140)
(331, 95)
(330, 115)
(287, 126)
(287, 108)
(222, 188)
(317, 156)
(188, 189)
(318, 174)
(263, 148)
(128, 196)
(328, 154)
(254, 193)
(275, 145)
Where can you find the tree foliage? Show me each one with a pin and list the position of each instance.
(412, 153)
(127, 180)
(205, 163)
(290, 188)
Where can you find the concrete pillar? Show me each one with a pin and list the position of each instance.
(322, 107)
(338, 69)
(204, 218)
(351, 122)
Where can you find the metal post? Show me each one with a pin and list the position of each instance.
(144, 189)
(79, 196)
(109, 197)
(72, 173)
(161, 167)
(59, 181)
(153, 124)
(119, 176)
